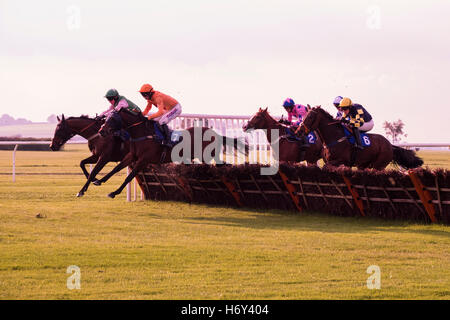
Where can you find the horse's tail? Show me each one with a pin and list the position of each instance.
(406, 158)
(236, 143)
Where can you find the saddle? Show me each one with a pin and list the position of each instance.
(311, 138)
(175, 135)
(123, 135)
(365, 142)
(365, 139)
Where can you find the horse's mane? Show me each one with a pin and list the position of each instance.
(324, 112)
(267, 115)
(140, 116)
(83, 116)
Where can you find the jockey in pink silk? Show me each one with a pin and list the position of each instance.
(297, 111)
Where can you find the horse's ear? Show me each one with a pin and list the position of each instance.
(63, 117)
(260, 109)
(308, 107)
(57, 118)
(265, 110)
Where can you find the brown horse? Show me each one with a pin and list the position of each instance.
(145, 149)
(104, 149)
(289, 151)
(339, 151)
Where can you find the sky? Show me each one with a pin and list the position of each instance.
(230, 57)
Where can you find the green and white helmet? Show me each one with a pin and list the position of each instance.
(112, 93)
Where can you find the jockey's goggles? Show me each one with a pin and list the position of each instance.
(146, 94)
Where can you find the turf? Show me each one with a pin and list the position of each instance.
(171, 250)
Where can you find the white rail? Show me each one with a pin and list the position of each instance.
(424, 145)
(230, 126)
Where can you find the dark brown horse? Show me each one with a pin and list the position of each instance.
(104, 149)
(289, 151)
(146, 150)
(339, 151)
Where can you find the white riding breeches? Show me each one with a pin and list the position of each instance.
(367, 126)
(169, 116)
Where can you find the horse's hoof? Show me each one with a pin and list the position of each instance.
(80, 194)
(97, 183)
(112, 195)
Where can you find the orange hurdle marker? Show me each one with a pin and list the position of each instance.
(424, 195)
(291, 189)
(355, 195)
(230, 186)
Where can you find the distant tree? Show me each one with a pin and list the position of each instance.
(22, 121)
(52, 119)
(6, 120)
(394, 130)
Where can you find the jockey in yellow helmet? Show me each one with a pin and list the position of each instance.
(357, 117)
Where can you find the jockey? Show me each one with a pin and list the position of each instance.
(298, 111)
(168, 109)
(336, 102)
(118, 102)
(357, 117)
(295, 110)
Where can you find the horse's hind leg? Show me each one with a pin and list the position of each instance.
(140, 164)
(92, 159)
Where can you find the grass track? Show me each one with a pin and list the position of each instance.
(169, 250)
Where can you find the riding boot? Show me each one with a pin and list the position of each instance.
(167, 136)
(357, 138)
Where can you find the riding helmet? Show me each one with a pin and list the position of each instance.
(345, 103)
(288, 103)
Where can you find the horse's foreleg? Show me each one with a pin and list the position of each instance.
(126, 161)
(91, 159)
(99, 166)
(140, 164)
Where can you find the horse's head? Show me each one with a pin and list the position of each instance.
(311, 121)
(260, 120)
(113, 123)
(63, 133)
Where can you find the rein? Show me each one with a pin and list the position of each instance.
(332, 144)
(140, 138)
(84, 129)
(87, 127)
(94, 135)
(134, 125)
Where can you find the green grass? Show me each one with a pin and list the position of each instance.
(171, 250)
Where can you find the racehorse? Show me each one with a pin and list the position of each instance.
(104, 149)
(339, 151)
(145, 149)
(289, 151)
